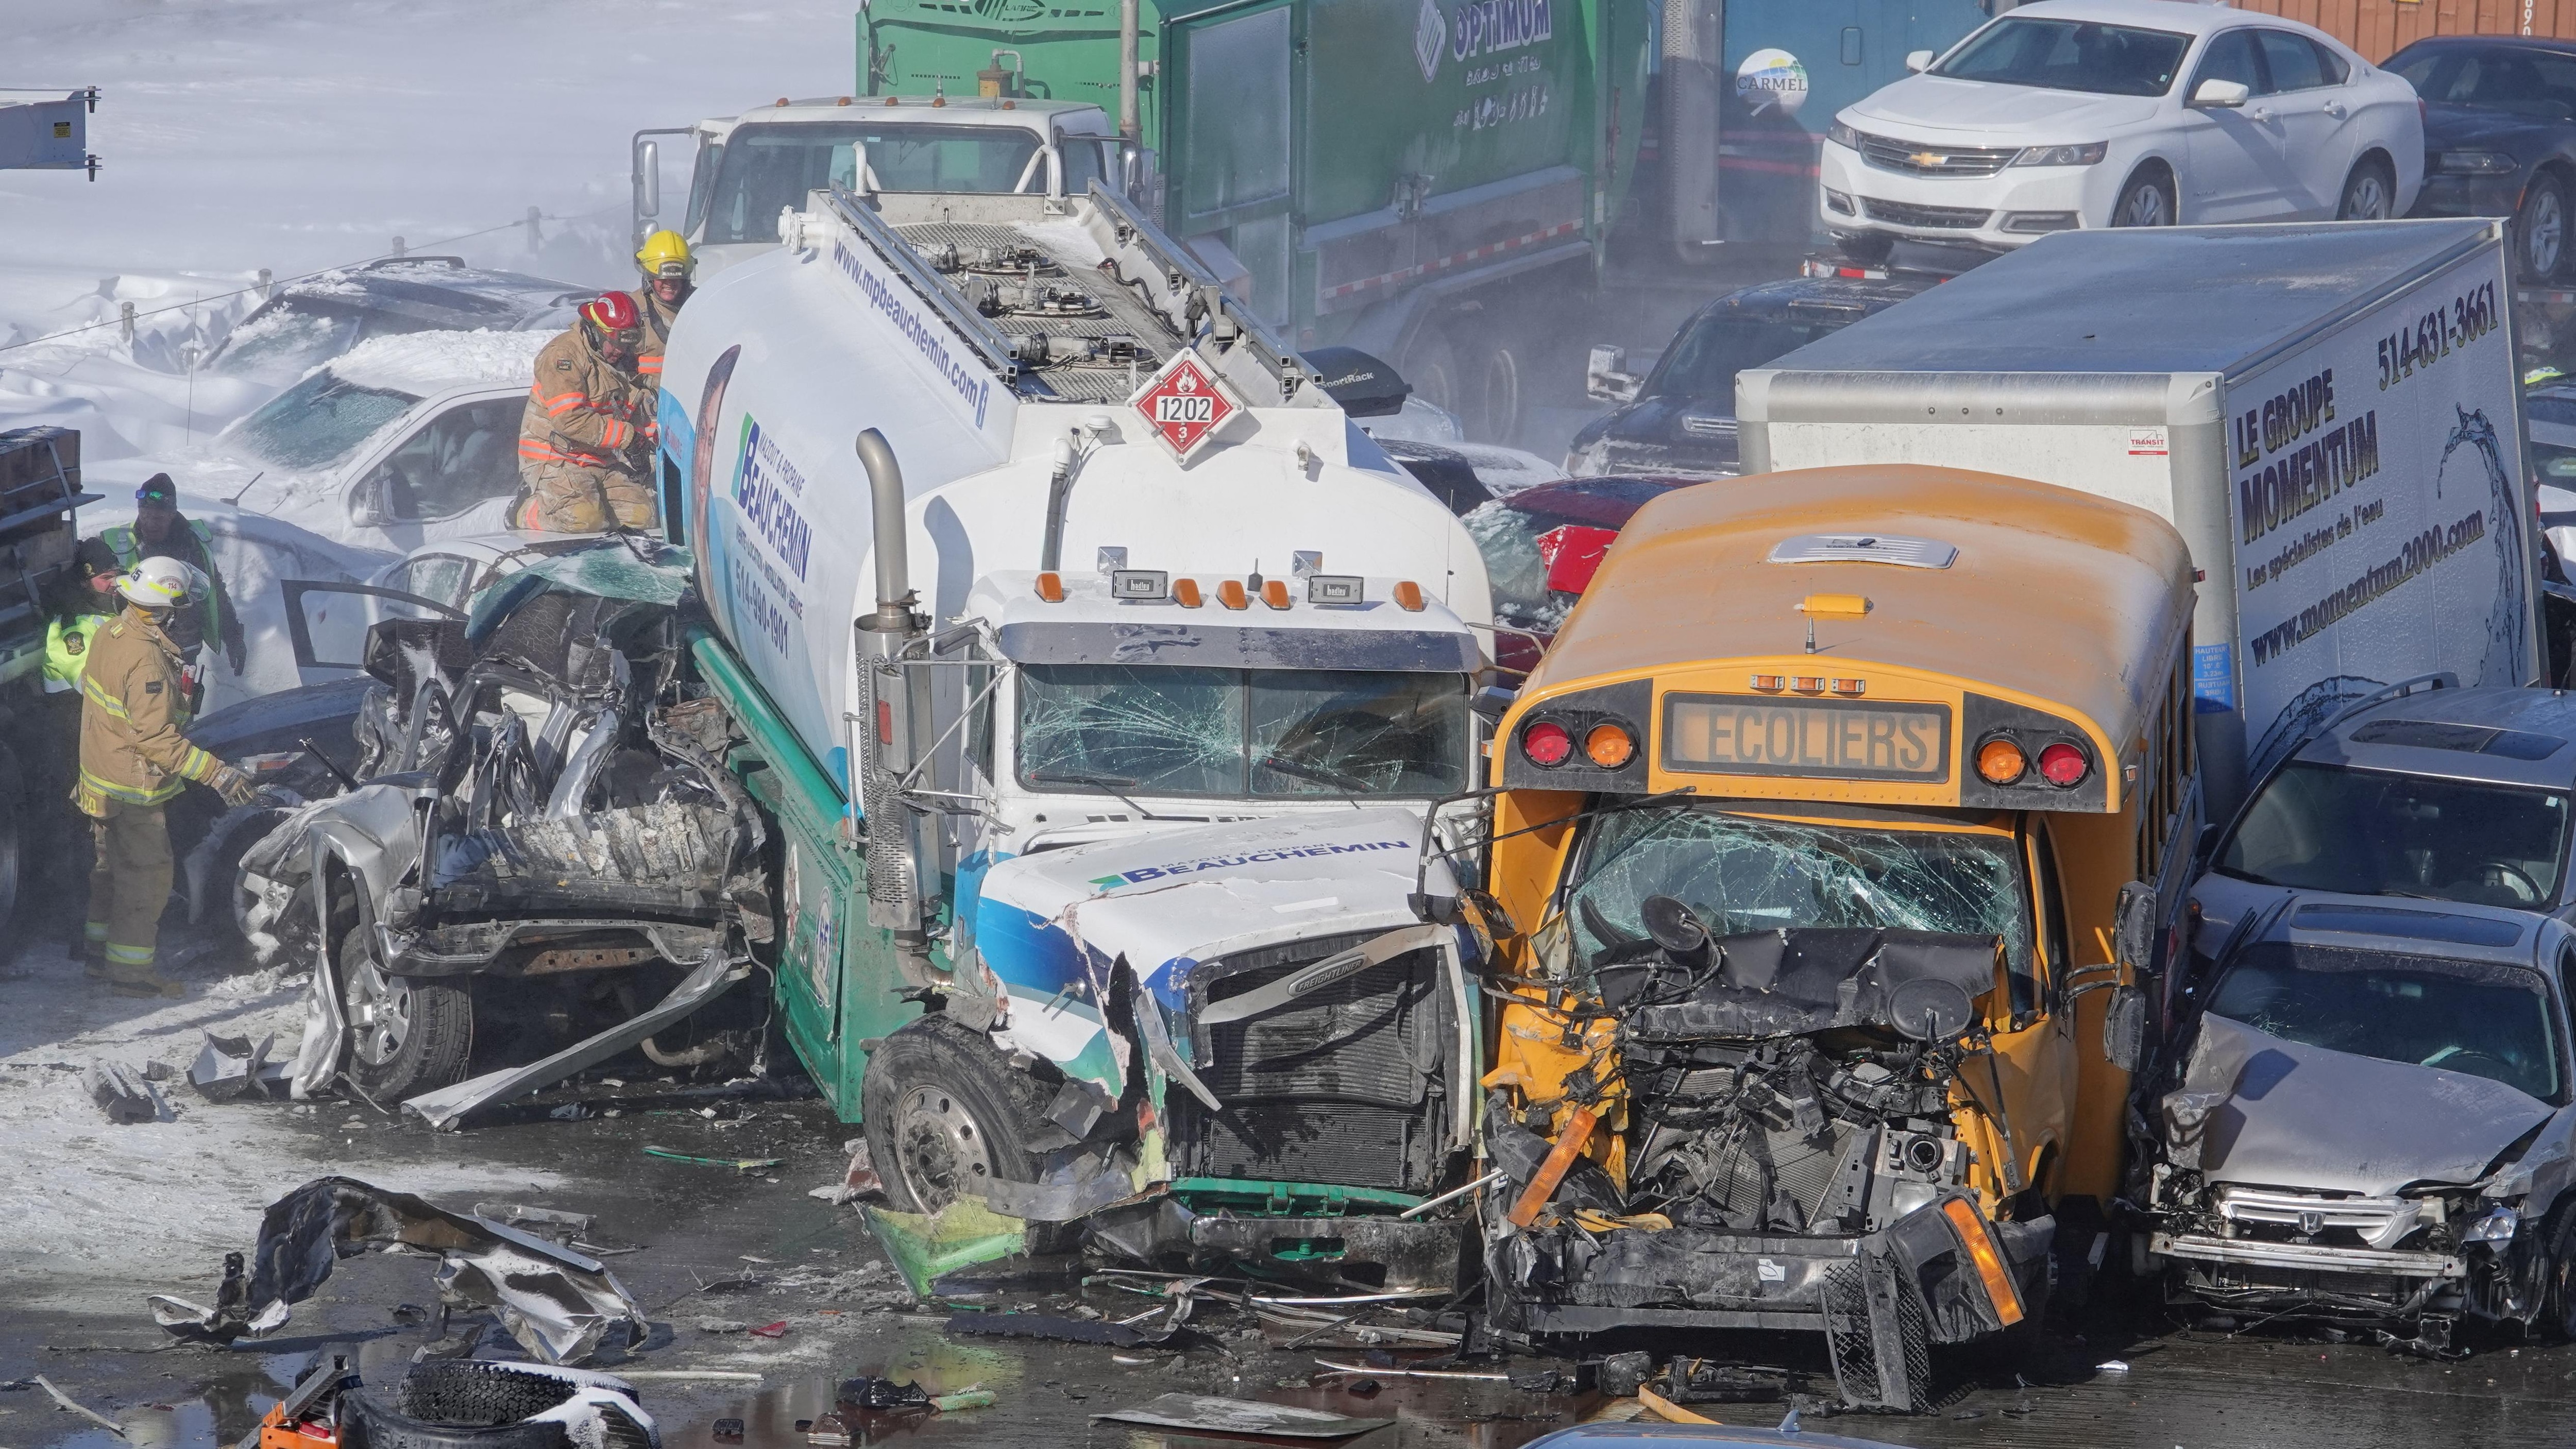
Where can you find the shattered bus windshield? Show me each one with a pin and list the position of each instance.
(1173, 731)
(1741, 874)
(2477, 1017)
(769, 168)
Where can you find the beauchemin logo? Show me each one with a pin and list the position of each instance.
(1105, 883)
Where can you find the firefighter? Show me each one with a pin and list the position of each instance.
(158, 531)
(134, 760)
(667, 266)
(585, 439)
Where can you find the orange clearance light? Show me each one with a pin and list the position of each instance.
(1408, 597)
(1770, 681)
(1834, 606)
(1185, 592)
(2063, 765)
(1546, 744)
(1274, 592)
(1852, 687)
(1808, 684)
(2000, 762)
(1051, 588)
(1609, 746)
(1231, 594)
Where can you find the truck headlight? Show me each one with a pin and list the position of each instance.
(2496, 1227)
(2474, 163)
(2085, 155)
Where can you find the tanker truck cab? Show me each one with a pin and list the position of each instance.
(751, 167)
(1099, 674)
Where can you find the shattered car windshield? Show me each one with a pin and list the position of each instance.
(2370, 832)
(1740, 874)
(1272, 733)
(2480, 1018)
(318, 422)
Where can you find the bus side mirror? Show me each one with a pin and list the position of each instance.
(2124, 1028)
(2133, 928)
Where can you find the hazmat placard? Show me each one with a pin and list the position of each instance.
(1185, 403)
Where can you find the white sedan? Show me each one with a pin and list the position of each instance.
(2089, 113)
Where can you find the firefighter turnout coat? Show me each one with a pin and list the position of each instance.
(133, 713)
(581, 440)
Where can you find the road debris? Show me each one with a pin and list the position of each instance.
(964, 1399)
(858, 1180)
(875, 1393)
(1331, 1369)
(1205, 1413)
(123, 1093)
(1668, 1411)
(960, 1235)
(222, 1323)
(738, 1164)
(830, 1431)
(228, 1068)
(771, 1330)
(559, 1305)
(727, 1430)
(464, 1402)
(563, 1227)
(64, 1401)
(1065, 1330)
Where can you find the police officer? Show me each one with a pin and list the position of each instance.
(667, 266)
(134, 760)
(158, 531)
(88, 602)
(586, 434)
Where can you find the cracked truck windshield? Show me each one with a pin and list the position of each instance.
(1178, 731)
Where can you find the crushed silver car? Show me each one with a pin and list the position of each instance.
(542, 835)
(2364, 1118)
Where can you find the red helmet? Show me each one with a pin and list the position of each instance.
(611, 312)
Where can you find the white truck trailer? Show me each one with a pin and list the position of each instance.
(1097, 673)
(2329, 413)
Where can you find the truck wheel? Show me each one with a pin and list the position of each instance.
(1869, 248)
(14, 803)
(2369, 193)
(1502, 381)
(2540, 229)
(407, 1034)
(945, 1115)
(1431, 366)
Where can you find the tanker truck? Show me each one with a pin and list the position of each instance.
(1095, 675)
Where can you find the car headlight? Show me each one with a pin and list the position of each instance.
(2085, 155)
(2474, 163)
(1843, 136)
(2495, 1227)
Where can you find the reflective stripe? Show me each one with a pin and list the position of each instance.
(563, 403)
(649, 366)
(617, 434)
(199, 766)
(94, 931)
(95, 791)
(128, 955)
(97, 694)
(536, 452)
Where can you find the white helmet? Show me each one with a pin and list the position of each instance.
(163, 583)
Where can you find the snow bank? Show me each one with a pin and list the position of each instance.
(422, 363)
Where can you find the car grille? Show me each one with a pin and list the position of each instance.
(1335, 1087)
(1922, 158)
(1944, 218)
(2373, 1222)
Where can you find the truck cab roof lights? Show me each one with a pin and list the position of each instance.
(1336, 589)
(1274, 592)
(1408, 596)
(1230, 593)
(1185, 592)
(1051, 587)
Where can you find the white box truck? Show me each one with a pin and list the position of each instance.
(2329, 413)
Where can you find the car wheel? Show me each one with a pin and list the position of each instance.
(2368, 194)
(1869, 248)
(407, 1034)
(945, 1115)
(2558, 1300)
(2148, 200)
(2540, 229)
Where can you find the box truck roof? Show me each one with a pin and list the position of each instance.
(2147, 299)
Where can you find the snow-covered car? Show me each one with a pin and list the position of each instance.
(307, 322)
(2091, 113)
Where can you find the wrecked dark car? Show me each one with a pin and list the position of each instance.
(2364, 1119)
(541, 839)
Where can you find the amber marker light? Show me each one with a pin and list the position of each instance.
(1990, 1265)
(1408, 597)
(1051, 588)
(1185, 592)
(2000, 762)
(1609, 746)
(1231, 594)
(1274, 592)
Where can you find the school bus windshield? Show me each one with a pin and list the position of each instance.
(1740, 874)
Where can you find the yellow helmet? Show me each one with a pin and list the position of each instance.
(664, 254)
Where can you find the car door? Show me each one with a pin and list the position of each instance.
(2312, 106)
(451, 476)
(328, 622)
(2235, 155)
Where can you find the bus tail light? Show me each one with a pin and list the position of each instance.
(2063, 765)
(1609, 745)
(2000, 762)
(1546, 745)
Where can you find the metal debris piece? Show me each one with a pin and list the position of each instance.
(1289, 1327)
(964, 1399)
(770, 1330)
(828, 1430)
(447, 1106)
(65, 1401)
(960, 1235)
(230, 1067)
(1668, 1411)
(1384, 1371)
(122, 1093)
(1066, 1330)
(727, 1430)
(1209, 1414)
(738, 1164)
(543, 1220)
(876, 1393)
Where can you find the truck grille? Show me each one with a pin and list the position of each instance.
(1943, 218)
(1341, 1086)
(1923, 158)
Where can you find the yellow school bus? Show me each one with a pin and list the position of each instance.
(1810, 850)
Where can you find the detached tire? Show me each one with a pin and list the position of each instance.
(945, 1114)
(407, 1034)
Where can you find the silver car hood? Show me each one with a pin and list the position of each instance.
(2280, 1114)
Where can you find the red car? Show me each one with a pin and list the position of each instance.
(1541, 545)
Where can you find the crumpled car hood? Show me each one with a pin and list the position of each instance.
(2297, 1116)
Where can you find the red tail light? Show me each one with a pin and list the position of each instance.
(2063, 765)
(1546, 744)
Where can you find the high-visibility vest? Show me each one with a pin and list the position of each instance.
(67, 643)
(129, 552)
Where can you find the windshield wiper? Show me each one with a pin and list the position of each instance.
(1320, 774)
(1105, 784)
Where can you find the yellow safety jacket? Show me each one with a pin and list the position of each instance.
(134, 713)
(67, 642)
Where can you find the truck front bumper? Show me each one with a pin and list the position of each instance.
(1377, 1251)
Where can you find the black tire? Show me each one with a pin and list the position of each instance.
(407, 1034)
(2147, 199)
(2558, 1299)
(1501, 390)
(2369, 193)
(1869, 248)
(17, 803)
(1431, 366)
(2540, 229)
(945, 1113)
